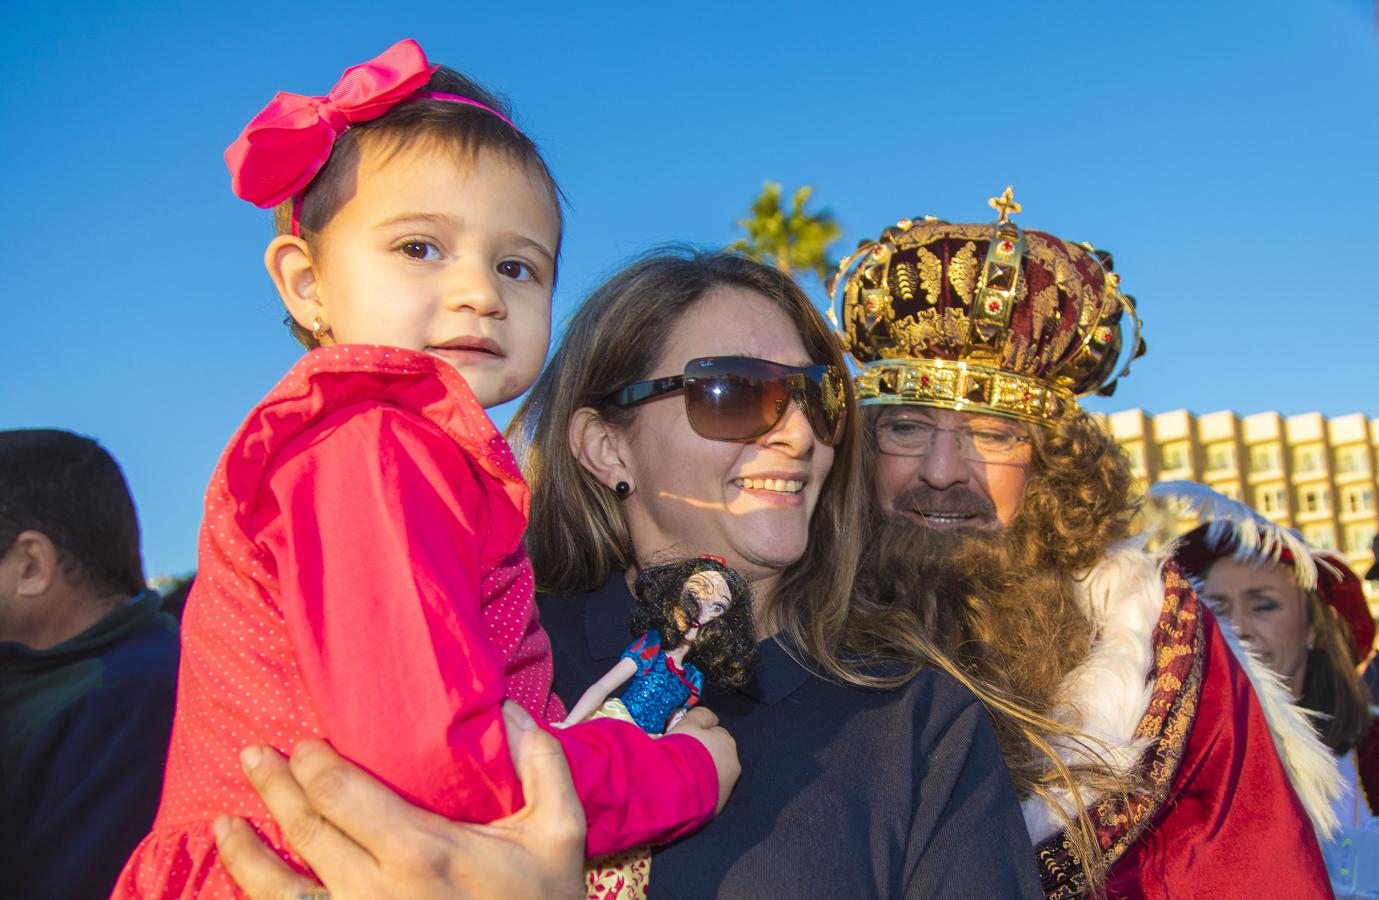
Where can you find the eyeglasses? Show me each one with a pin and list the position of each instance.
(740, 398)
(915, 437)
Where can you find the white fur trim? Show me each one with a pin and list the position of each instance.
(1105, 695)
(1311, 766)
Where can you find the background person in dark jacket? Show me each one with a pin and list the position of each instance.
(88, 670)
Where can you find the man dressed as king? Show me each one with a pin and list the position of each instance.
(1004, 534)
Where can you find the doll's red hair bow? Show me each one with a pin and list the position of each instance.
(286, 144)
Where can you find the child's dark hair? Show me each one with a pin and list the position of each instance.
(462, 128)
(725, 649)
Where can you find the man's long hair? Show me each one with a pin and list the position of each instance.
(1002, 605)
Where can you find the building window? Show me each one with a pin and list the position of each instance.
(1315, 500)
(1358, 537)
(1229, 489)
(1352, 459)
(1135, 450)
(1307, 458)
(1175, 456)
(1271, 501)
(1220, 457)
(1358, 499)
(1323, 536)
(1265, 457)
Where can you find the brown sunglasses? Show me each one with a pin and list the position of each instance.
(740, 398)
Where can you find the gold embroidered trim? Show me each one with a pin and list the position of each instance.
(930, 275)
(963, 386)
(1180, 645)
(962, 272)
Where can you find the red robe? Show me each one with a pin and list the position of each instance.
(1219, 816)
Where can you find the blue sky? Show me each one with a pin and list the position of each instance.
(1225, 152)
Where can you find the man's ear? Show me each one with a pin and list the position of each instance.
(598, 447)
(37, 561)
(289, 263)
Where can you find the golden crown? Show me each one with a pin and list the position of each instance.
(986, 318)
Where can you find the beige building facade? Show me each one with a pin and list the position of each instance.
(1316, 475)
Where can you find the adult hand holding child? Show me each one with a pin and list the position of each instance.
(366, 842)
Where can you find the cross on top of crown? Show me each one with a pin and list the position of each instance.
(1005, 205)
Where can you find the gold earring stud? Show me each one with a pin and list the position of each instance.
(318, 329)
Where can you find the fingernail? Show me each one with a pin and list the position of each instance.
(221, 827)
(250, 757)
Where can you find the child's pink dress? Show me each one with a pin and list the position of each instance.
(361, 578)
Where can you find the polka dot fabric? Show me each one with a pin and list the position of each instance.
(241, 679)
(361, 578)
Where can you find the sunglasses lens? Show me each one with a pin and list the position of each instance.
(826, 405)
(733, 400)
(740, 399)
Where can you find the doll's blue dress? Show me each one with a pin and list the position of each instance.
(660, 687)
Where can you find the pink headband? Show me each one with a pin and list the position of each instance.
(288, 142)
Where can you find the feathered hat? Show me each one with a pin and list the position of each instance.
(1233, 529)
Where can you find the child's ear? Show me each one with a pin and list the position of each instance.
(289, 263)
(596, 446)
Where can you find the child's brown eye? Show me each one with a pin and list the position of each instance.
(516, 270)
(419, 250)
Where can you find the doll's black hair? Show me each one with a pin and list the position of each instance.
(725, 650)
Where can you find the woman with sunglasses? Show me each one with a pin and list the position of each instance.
(699, 403)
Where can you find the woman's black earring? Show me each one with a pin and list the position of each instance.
(622, 488)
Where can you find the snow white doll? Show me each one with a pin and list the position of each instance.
(694, 618)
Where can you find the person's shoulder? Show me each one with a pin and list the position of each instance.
(560, 610)
(929, 692)
(153, 649)
(565, 610)
(941, 690)
(368, 398)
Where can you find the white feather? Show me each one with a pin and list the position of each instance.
(1229, 521)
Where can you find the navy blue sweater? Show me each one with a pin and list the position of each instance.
(845, 793)
(84, 732)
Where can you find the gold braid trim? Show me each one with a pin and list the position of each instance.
(967, 386)
(1119, 822)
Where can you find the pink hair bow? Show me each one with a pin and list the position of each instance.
(286, 144)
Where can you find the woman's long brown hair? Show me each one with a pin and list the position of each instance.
(1331, 685)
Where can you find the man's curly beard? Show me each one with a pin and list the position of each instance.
(909, 564)
(982, 597)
